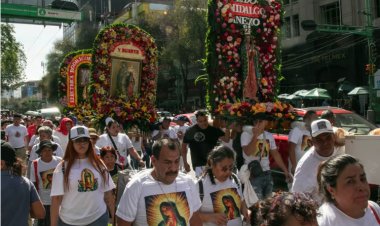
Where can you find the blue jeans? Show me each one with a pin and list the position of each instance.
(101, 221)
(263, 185)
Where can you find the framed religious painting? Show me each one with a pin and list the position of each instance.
(125, 78)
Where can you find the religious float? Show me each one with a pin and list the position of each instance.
(243, 61)
(124, 76)
(117, 78)
(73, 82)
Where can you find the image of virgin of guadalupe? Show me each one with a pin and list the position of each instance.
(170, 215)
(231, 209)
(121, 79)
(125, 80)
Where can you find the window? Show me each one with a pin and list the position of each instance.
(286, 28)
(330, 14)
(296, 26)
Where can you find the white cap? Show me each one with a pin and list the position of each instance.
(108, 120)
(320, 126)
(78, 132)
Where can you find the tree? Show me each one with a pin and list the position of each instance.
(181, 42)
(13, 60)
(49, 82)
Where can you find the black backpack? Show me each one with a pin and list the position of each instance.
(255, 168)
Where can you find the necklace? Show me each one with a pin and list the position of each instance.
(164, 193)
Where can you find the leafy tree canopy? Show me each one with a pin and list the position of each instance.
(13, 59)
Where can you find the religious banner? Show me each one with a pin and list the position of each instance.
(74, 79)
(125, 76)
(243, 59)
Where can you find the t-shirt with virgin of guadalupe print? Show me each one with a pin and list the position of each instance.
(45, 177)
(83, 202)
(146, 201)
(201, 142)
(265, 144)
(222, 197)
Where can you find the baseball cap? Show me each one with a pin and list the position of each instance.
(108, 120)
(8, 153)
(320, 126)
(78, 132)
(46, 143)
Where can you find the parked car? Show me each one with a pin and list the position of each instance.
(190, 117)
(165, 114)
(348, 120)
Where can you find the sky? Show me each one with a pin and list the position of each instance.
(37, 42)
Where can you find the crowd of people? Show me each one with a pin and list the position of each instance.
(200, 174)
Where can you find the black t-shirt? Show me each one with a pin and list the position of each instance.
(201, 142)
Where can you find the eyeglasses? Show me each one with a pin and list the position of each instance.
(81, 140)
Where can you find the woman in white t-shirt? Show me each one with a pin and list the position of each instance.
(344, 185)
(82, 186)
(120, 142)
(220, 192)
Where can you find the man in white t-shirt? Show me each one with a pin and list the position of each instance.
(296, 137)
(257, 145)
(164, 131)
(305, 177)
(162, 195)
(42, 175)
(17, 136)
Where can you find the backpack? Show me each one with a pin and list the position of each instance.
(36, 175)
(255, 168)
(200, 185)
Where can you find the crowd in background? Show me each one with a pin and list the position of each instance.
(207, 173)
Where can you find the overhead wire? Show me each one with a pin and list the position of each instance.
(308, 60)
(323, 46)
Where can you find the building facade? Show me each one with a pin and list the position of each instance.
(332, 58)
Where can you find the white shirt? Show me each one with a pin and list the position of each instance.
(33, 155)
(36, 139)
(45, 177)
(16, 135)
(143, 195)
(84, 202)
(330, 215)
(122, 142)
(269, 144)
(296, 137)
(305, 176)
(64, 139)
(181, 129)
(213, 199)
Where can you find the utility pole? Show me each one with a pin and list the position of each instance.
(373, 111)
(371, 116)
